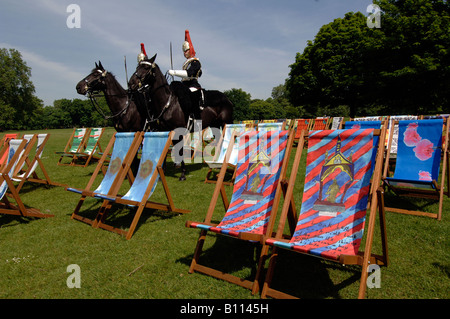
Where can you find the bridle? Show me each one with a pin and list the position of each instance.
(92, 94)
(145, 89)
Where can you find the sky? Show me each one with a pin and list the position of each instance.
(241, 44)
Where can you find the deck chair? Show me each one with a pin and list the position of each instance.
(124, 146)
(262, 165)
(321, 123)
(5, 146)
(301, 125)
(336, 195)
(216, 163)
(419, 156)
(337, 122)
(91, 150)
(26, 167)
(75, 144)
(16, 147)
(154, 151)
(264, 127)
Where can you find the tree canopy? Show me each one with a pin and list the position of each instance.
(350, 68)
(18, 104)
(400, 68)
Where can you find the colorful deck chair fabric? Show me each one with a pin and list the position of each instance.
(154, 150)
(30, 141)
(320, 123)
(418, 163)
(26, 170)
(229, 131)
(275, 126)
(262, 162)
(336, 194)
(376, 124)
(337, 123)
(92, 147)
(124, 146)
(5, 144)
(75, 144)
(302, 125)
(6, 183)
(393, 129)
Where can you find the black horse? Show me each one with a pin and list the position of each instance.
(126, 114)
(168, 103)
(165, 104)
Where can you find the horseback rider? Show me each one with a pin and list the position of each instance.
(191, 71)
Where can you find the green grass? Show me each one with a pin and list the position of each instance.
(35, 253)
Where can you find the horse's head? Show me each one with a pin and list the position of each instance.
(144, 74)
(95, 81)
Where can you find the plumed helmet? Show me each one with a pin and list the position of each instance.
(187, 44)
(143, 54)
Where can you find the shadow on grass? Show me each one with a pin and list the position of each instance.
(299, 275)
(13, 220)
(409, 203)
(120, 216)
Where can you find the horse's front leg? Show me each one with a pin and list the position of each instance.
(183, 172)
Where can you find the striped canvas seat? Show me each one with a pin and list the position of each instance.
(257, 175)
(320, 123)
(341, 180)
(7, 187)
(75, 144)
(92, 147)
(300, 126)
(333, 212)
(251, 213)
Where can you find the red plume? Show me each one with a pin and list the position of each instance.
(187, 38)
(143, 49)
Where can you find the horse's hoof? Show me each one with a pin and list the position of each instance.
(182, 178)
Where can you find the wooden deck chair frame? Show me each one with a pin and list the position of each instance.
(94, 148)
(18, 209)
(26, 167)
(67, 149)
(123, 171)
(439, 189)
(296, 128)
(220, 190)
(364, 259)
(144, 203)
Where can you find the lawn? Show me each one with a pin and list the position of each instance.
(35, 253)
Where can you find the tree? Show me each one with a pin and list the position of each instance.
(333, 69)
(415, 58)
(241, 101)
(17, 100)
(401, 68)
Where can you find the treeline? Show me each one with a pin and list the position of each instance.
(349, 69)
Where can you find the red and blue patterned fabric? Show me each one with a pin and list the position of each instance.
(258, 170)
(335, 196)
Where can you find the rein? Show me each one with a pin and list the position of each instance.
(92, 95)
(94, 102)
(146, 88)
